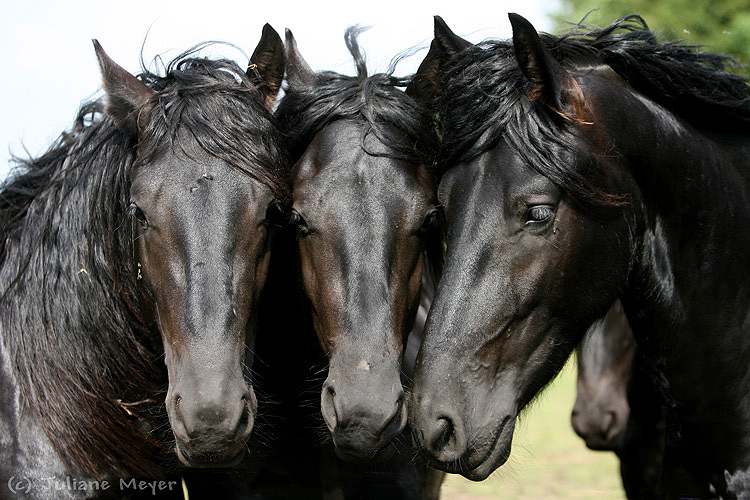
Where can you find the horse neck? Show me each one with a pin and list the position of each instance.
(692, 197)
(688, 296)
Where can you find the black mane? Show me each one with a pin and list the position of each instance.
(484, 93)
(86, 363)
(391, 115)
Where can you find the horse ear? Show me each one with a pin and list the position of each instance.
(267, 62)
(298, 72)
(126, 94)
(426, 82)
(552, 84)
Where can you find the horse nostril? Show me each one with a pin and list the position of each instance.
(328, 407)
(610, 425)
(176, 405)
(446, 439)
(397, 422)
(445, 436)
(244, 426)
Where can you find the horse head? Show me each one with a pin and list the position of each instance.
(201, 189)
(364, 205)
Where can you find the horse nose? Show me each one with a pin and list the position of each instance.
(214, 417)
(363, 422)
(600, 430)
(444, 437)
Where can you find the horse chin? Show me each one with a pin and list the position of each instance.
(208, 460)
(498, 453)
(599, 443)
(366, 455)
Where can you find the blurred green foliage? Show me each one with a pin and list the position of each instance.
(721, 26)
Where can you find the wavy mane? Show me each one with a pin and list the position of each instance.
(484, 94)
(69, 307)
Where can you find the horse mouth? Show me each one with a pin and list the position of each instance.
(208, 460)
(498, 453)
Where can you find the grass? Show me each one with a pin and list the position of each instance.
(548, 460)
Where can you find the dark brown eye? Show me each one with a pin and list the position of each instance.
(539, 214)
(430, 223)
(136, 213)
(275, 214)
(296, 220)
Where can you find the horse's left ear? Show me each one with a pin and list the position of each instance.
(127, 95)
(426, 82)
(268, 61)
(552, 84)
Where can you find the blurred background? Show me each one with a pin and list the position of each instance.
(49, 68)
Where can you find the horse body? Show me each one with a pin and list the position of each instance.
(596, 180)
(120, 247)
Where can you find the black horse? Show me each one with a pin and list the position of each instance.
(618, 407)
(604, 359)
(120, 252)
(580, 169)
(365, 210)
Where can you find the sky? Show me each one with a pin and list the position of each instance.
(49, 66)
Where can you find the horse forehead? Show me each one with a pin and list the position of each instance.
(492, 178)
(177, 169)
(199, 194)
(359, 178)
(348, 187)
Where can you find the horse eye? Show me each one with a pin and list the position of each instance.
(136, 213)
(300, 223)
(430, 222)
(275, 215)
(539, 214)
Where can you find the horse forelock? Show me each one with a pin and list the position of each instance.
(375, 100)
(223, 110)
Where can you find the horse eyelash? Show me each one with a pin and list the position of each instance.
(133, 212)
(296, 219)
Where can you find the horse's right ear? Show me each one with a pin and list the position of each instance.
(426, 82)
(127, 96)
(267, 62)
(298, 72)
